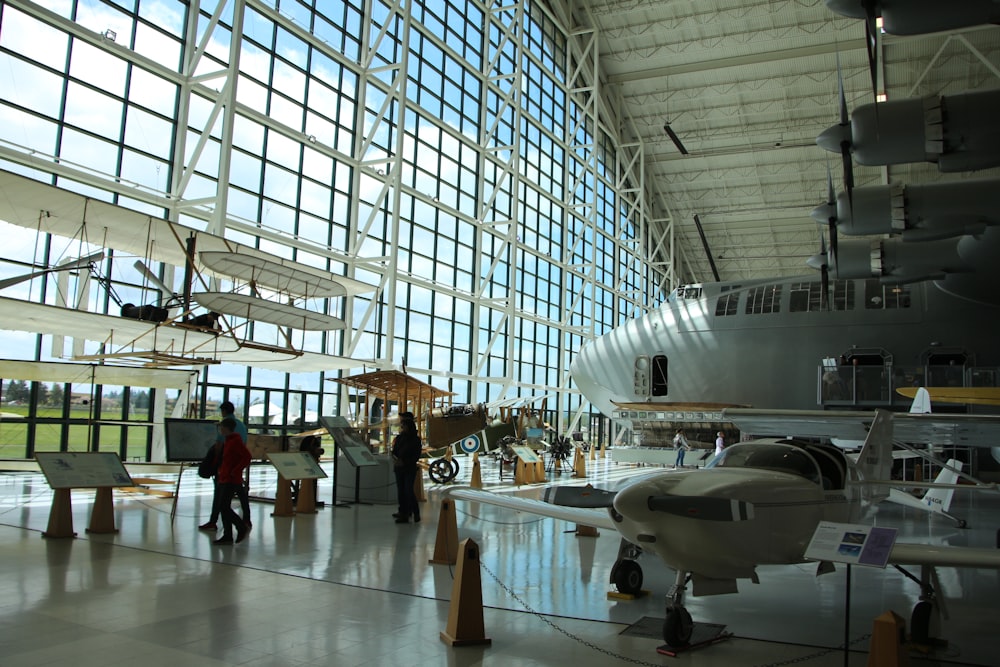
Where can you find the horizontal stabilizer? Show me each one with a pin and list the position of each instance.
(579, 496)
(702, 507)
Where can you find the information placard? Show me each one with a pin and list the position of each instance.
(296, 465)
(189, 439)
(525, 453)
(852, 544)
(349, 441)
(83, 470)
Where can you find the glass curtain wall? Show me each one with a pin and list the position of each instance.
(453, 155)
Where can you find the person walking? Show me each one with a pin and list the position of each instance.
(235, 459)
(680, 446)
(228, 410)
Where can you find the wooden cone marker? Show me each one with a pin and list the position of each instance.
(580, 469)
(446, 543)
(465, 615)
(602, 450)
(102, 516)
(60, 515)
(306, 502)
(593, 453)
(586, 531)
(418, 486)
(476, 481)
(283, 499)
(885, 648)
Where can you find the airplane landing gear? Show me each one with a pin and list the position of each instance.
(678, 626)
(626, 574)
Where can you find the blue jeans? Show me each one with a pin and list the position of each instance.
(680, 456)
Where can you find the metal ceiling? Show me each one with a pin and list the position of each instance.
(747, 86)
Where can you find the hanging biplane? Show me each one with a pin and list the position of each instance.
(166, 330)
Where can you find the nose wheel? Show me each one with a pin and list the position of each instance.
(677, 626)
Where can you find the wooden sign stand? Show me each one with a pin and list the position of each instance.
(283, 498)
(306, 502)
(102, 516)
(60, 515)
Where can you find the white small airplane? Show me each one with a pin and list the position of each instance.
(758, 503)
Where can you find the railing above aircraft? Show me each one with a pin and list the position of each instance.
(875, 386)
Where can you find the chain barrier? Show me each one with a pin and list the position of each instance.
(813, 656)
(555, 627)
(636, 661)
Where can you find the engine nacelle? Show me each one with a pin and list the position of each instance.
(918, 212)
(919, 17)
(958, 132)
(893, 261)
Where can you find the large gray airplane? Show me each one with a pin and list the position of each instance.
(763, 343)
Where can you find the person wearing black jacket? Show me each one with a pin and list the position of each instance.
(406, 449)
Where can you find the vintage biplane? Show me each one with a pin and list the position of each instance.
(245, 294)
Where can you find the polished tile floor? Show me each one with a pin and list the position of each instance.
(347, 586)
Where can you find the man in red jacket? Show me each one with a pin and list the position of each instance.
(235, 458)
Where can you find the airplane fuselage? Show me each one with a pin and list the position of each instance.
(760, 508)
(762, 343)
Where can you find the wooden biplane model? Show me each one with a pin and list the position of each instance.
(264, 290)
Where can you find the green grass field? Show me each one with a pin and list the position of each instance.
(14, 434)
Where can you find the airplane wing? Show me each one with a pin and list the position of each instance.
(585, 517)
(29, 203)
(939, 429)
(941, 556)
(966, 395)
(124, 334)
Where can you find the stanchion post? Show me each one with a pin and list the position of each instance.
(446, 542)
(465, 615)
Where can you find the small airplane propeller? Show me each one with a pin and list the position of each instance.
(706, 508)
(579, 496)
(69, 266)
(839, 139)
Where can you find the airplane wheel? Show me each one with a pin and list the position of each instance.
(442, 472)
(677, 627)
(627, 577)
(920, 623)
(962, 523)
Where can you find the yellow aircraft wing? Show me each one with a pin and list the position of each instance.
(967, 395)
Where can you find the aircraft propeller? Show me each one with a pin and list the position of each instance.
(707, 508)
(69, 266)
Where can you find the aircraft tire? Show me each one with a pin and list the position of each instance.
(677, 627)
(441, 472)
(920, 623)
(627, 577)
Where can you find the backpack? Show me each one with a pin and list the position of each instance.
(209, 465)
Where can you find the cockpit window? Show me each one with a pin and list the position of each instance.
(782, 458)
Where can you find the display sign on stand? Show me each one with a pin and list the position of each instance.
(189, 439)
(82, 470)
(852, 544)
(526, 454)
(348, 441)
(295, 466)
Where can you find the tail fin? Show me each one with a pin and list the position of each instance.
(921, 402)
(875, 459)
(937, 499)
